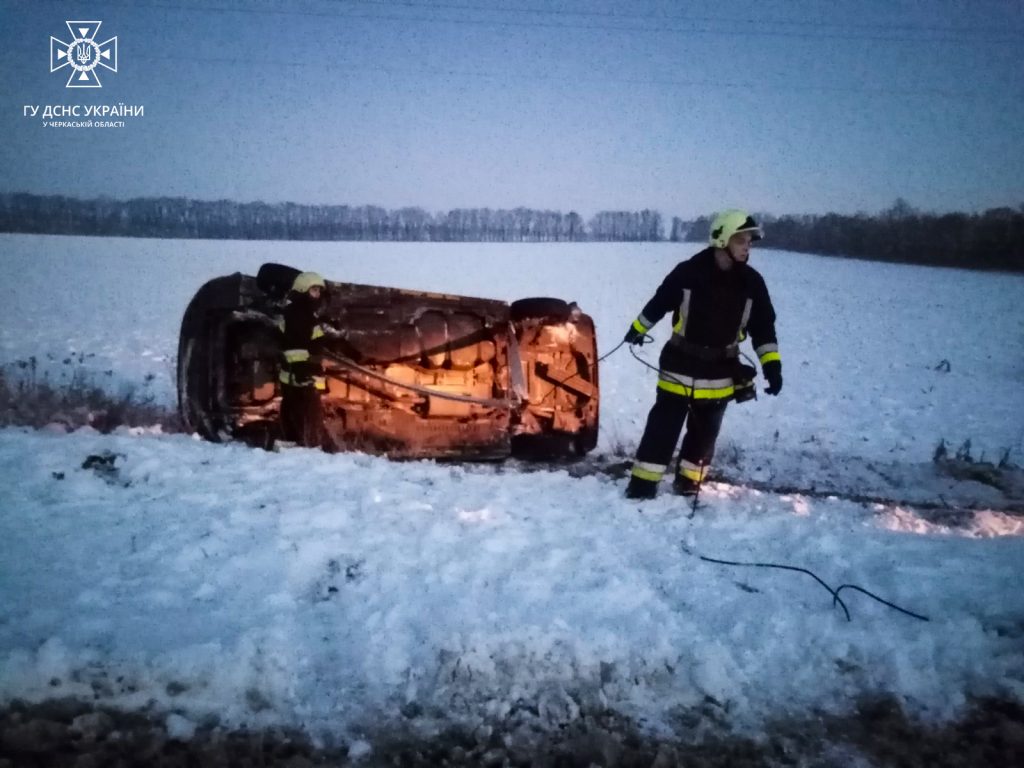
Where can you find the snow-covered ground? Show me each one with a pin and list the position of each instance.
(860, 341)
(339, 592)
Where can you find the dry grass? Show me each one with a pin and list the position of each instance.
(73, 398)
(68, 732)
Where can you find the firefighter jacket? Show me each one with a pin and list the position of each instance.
(303, 338)
(712, 311)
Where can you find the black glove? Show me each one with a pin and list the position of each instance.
(303, 371)
(773, 372)
(744, 372)
(633, 336)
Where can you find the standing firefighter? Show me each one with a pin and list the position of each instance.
(302, 418)
(715, 297)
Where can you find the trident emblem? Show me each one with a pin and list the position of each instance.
(83, 54)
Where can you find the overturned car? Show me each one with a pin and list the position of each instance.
(409, 374)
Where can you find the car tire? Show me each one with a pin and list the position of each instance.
(585, 440)
(540, 307)
(196, 392)
(549, 447)
(276, 280)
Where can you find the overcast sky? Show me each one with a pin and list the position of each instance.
(583, 105)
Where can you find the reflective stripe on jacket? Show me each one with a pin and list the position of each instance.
(302, 339)
(713, 310)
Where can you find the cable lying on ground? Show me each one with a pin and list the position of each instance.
(834, 592)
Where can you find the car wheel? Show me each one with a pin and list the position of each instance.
(540, 307)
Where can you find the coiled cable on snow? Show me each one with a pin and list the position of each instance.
(836, 599)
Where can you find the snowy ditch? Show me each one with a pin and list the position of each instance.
(340, 593)
(336, 592)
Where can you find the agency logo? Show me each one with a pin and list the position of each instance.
(83, 54)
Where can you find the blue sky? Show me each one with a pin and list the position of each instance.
(687, 108)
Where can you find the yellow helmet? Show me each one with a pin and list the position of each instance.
(306, 280)
(732, 222)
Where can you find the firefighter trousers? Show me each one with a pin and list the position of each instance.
(703, 419)
(302, 418)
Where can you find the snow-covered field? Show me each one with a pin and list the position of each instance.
(860, 341)
(342, 592)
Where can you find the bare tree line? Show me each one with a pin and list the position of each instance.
(993, 239)
(226, 219)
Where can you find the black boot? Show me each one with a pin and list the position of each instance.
(684, 486)
(639, 488)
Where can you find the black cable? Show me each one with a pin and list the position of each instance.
(700, 483)
(693, 505)
(614, 349)
(648, 339)
(834, 592)
(884, 602)
(754, 381)
(427, 391)
(489, 403)
(577, 373)
(835, 596)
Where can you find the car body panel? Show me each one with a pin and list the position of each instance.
(410, 374)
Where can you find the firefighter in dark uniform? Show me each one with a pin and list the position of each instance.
(715, 299)
(302, 382)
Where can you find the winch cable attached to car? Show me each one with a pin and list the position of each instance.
(427, 391)
(613, 350)
(571, 376)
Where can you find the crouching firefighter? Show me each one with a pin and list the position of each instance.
(302, 380)
(715, 298)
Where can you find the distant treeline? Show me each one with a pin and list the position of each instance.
(990, 240)
(224, 219)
